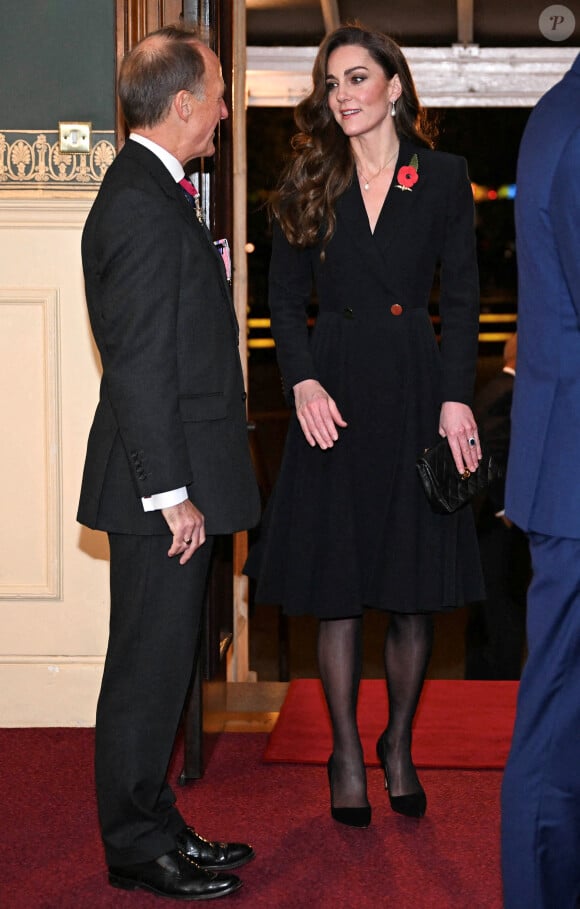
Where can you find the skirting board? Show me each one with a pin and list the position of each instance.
(49, 692)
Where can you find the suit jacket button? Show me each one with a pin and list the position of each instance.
(396, 309)
(244, 396)
(348, 313)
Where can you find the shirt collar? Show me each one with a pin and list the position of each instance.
(174, 167)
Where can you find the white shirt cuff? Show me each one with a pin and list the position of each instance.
(165, 499)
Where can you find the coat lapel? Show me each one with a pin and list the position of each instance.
(187, 211)
(397, 209)
(400, 202)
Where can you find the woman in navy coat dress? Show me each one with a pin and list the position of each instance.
(368, 211)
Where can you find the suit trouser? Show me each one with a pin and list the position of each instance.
(541, 785)
(156, 606)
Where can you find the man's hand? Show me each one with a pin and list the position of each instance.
(187, 525)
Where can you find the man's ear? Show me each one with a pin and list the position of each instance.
(182, 102)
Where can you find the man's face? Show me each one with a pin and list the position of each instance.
(208, 111)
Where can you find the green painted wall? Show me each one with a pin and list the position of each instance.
(57, 62)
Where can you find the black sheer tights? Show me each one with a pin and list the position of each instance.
(408, 647)
(340, 665)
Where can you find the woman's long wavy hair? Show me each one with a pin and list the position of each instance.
(322, 164)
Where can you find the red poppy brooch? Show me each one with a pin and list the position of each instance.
(408, 174)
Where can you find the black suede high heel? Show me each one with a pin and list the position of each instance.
(412, 804)
(352, 817)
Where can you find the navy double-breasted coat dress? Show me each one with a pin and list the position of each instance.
(350, 526)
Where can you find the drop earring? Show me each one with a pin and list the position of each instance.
(393, 111)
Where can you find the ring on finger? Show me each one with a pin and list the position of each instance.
(471, 442)
(187, 542)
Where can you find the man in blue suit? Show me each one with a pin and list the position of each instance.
(541, 786)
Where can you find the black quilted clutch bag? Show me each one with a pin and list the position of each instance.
(448, 490)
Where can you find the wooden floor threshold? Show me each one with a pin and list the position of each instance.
(242, 706)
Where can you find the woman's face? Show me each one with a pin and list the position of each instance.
(359, 93)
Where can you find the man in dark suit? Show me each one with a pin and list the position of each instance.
(541, 786)
(167, 464)
(496, 631)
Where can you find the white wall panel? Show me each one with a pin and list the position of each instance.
(53, 573)
(31, 556)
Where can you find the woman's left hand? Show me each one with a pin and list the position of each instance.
(457, 424)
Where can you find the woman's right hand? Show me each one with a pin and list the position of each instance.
(317, 414)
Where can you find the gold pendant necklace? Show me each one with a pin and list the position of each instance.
(367, 182)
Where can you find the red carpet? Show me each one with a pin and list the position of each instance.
(51, 856)
(459, 724)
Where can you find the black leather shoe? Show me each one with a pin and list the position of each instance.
(213, 856)
(174, 875)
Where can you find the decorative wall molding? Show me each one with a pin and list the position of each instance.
(44, 212)
(30, 398)
(32, 161)
(457, 76)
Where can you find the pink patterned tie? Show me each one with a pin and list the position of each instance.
(188, 187)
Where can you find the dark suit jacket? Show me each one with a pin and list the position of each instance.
(543, 492)
(171, 411)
